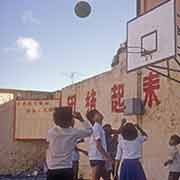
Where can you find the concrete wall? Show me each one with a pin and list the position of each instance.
(16, 155)
(161, 122)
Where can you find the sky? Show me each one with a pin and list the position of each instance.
(42, 42)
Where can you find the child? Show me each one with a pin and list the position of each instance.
(108, 134)
(130, 152)
(174, 158)
(76, 158)
(97, 147)
(62, 140)
(75, 162)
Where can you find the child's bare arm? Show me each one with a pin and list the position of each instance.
(102, 150)
(168, 162)
(82, 151)
(171, 158)
(143, 133)
(115, 131)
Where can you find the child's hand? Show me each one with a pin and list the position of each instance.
(166, 164)
(137, 126)
(123, 122)
(78, 116)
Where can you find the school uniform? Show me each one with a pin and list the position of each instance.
(75, 155)
(130, 152)
(93, 152)
(174, 168)
(62, 142)
(109, 150)
(95, 157)
(75, 161)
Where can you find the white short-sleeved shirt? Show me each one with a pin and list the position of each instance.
(174, 155)
(130, 149)
(98, 134)
(75, 155)
(62, 142)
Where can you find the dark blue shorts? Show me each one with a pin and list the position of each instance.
(60, 174)
(174, 176)
(97, 163)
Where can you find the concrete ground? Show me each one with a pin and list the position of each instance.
(43, 177)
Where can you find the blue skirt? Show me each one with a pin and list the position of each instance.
(132, 169)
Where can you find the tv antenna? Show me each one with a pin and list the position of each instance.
(72, 76)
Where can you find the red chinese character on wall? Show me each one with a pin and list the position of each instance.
(71, 101)
(91, 100)
(117, 98)
(151, 83)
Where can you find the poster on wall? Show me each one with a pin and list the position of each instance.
(33, 118)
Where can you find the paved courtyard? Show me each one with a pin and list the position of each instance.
(23, 178)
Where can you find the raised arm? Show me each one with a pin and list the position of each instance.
(168, 162)
(87, 128)
(172, 155)
(82, 151)
(143, 133)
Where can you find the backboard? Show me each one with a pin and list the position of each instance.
(151, 38)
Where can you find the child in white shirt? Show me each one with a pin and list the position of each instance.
(76, 158)
(62, 140)
(174, 158)
(130, 152)
(97, 147)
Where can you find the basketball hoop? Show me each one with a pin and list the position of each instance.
(139, 50)
(150, 41)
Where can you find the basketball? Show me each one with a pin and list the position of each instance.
(82, 9)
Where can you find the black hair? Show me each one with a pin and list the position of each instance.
(63, 116)
(107, 129)
(107, 126)
(90, 114)
(129, 132)
(176, 138)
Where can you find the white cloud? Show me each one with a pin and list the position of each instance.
(30, 47)
(28, 17)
